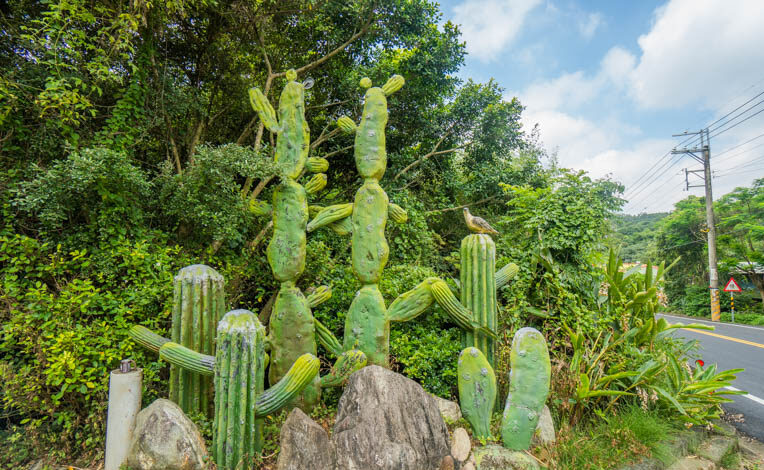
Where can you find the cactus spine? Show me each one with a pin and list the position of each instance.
(528, 388)
(292, 331)
(478, 282)
(477, 390)
(199, 302)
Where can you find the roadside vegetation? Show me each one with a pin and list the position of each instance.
(128, 150)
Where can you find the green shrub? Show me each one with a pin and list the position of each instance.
(65, 315)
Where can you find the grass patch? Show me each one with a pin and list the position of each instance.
(614, 441)
(745, 318)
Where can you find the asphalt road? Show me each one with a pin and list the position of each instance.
(732, 347)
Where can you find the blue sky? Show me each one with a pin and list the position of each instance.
(609, 82)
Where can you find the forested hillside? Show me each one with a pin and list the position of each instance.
(635, 234)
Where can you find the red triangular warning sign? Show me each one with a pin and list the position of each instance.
(732, 286)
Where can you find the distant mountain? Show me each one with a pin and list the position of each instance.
(634, 234)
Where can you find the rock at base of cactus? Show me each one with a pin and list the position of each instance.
(528, 388)
(477, 391)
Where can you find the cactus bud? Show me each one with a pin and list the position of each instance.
(397, 213)
(393, 84)
(316, 183)
(346, 125)
(365, 82)
(259, 208)
(317, 165)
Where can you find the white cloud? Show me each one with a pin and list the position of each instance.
(489, 26)
(589, 25)
(699, 52)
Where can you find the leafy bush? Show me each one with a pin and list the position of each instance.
(204, 202)
(92, 189)
(65, 315)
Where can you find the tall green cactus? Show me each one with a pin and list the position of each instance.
(478, 293)
(292, 331)
(529, 379)
(198, 304)
(477, 390)
(239, 373)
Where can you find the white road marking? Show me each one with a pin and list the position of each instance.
(747, 395)
(698, 320)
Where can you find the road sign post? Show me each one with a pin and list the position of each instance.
(732, 287)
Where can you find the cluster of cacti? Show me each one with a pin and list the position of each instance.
(291, 331)
(529, 378)
(238, 368)
(528, 389)
(477, 390)
(367, 324)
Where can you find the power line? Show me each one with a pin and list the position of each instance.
(740, 122)
(738, 146)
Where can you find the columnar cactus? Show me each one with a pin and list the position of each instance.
(478, 293)
(198, 304)
(292, 330)
(239, 373)
(477, 390)
(529, 379)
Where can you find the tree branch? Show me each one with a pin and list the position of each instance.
(432, 152)
(456, 208)
(331, 154)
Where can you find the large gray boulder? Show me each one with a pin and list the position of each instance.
(165, 439)
(388, 422)
(304, 444)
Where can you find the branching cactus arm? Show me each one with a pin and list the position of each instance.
(330, 214)
(302, 373)
(327, 339)
(320, 295)
(147, 338)
(187, 359)
(456, 311)
(397, 213)
(528, 388)
(347, 363)
(413, 303)
(506, 274)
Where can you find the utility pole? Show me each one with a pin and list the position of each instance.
(705, 158)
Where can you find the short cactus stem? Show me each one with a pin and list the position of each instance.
(292, 334)
(239, 379)
(198, 304)
(528, 388)
(478, 290)
(367, 327)
(347, 363)
(187, 359)
(477, 390)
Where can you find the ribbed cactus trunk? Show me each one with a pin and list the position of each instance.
(478, 294)
(199, 302)
(239, 378)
